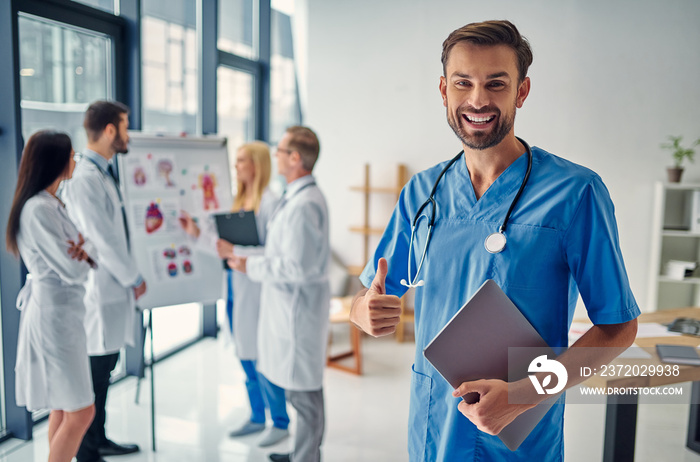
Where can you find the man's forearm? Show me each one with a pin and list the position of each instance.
(597, 347)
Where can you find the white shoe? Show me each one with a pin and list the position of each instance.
(271, 436)
(246, 429)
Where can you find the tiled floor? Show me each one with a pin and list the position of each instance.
(200, 395)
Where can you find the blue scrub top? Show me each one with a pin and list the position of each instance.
(562, 240)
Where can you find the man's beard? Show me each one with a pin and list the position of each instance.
(119, 145)
(480, 140)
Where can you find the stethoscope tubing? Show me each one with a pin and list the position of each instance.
(431, 200)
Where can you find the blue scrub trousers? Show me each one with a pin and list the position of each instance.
(261, 393)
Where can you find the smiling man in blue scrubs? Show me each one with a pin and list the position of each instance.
(562, 241)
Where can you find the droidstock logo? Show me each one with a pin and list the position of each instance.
(551, 366)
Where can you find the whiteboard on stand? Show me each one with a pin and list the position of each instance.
(159, 177)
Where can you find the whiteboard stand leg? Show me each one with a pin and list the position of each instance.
(138, 390)
(135, 356)
(153, 388)
(209, 326)
(142, 362)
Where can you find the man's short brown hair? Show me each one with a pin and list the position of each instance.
(100, 114)
(305, 142)
(490, 33)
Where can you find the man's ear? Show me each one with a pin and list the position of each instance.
(523, 91)
(110, 130)
(443, 90)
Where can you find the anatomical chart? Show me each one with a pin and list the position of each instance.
(154, 217)
(151, 172)
(162, 185)
(174, 261)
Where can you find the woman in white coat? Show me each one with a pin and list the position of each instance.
(243, 304)
(52, 367)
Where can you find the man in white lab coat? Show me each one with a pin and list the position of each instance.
(95, 205)
(293, 326)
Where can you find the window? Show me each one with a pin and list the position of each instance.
(174, 326)
(238, 29)
(169, 105)
(62, 69)
(284, 100)
(169, 67)
(235, 108)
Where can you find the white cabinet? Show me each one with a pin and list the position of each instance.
(674, 237)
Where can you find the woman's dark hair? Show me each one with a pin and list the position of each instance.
(45, 157)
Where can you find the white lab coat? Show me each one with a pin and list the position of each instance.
(52, 370)
(93, 204)
(293, 328)
(246, 293)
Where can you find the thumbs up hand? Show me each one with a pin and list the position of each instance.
(373, 310)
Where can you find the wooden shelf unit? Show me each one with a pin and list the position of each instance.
(367, 231)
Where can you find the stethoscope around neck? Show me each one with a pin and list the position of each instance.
(494, 242)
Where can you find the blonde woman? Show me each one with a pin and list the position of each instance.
(243, 301)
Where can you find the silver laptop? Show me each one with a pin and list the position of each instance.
(483, 330)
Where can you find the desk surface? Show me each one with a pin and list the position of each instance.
(687, 373)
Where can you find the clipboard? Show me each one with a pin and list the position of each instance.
(239, 228)
(483, 330)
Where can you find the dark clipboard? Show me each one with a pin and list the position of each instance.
(239, 228)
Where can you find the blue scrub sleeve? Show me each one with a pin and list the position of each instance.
(592, 249)
(393, 246)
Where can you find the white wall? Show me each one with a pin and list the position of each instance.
(610, 80)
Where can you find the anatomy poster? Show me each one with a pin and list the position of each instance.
(165, 168)
(138, 173)
(173, 262)
(161, 177)
(154, 216)
(205, 189)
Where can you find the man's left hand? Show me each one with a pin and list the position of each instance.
(492, 412)
(237, 263)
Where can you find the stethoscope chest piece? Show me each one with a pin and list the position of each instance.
(495, 242)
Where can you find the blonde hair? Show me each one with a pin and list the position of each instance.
(259, 153)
